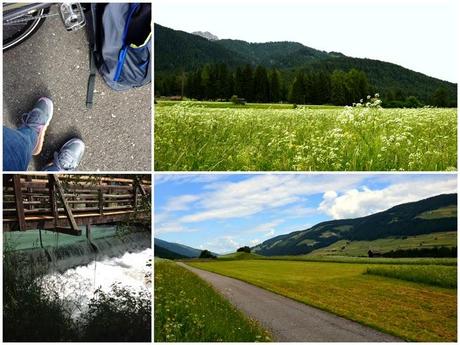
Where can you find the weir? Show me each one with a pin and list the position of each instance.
(42, 260)
(55, 222)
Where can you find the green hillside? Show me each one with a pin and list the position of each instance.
(180, 55)
(274, 54)
(433, 215)
(164, 253)
(240, 256)
(180, 51)
(175, 250)
(383, 245)
(179, 249)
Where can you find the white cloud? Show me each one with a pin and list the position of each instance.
(269, 233)
(263, 192)
(364, 201)
(222, 245)
(180, 203)
(267, 229)
(187, 178)
(169, 227)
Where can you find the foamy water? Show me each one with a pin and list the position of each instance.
(76, 286)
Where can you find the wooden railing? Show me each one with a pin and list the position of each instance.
(63, 202)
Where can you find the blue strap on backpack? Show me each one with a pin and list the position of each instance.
(120, 45)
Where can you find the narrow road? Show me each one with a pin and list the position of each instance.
(287, 319)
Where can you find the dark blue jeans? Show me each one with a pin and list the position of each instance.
(18, 145)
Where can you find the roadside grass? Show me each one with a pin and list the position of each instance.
(443, 276)
(412, 311)
(360, 248)
(187, 309)
(192, 136)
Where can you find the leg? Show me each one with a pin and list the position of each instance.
(19, 145)
(17, 148)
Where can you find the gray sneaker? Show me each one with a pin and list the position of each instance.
(38, 119)
(70, 155)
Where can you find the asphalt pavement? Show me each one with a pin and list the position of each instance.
(289, 320)
(54, 63)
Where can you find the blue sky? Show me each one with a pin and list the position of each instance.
(422, 35)
(222, 212)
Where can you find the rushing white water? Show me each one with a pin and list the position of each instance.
(76, 286)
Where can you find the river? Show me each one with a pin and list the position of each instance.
(76, 286)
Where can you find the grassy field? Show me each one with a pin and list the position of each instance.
(189, 136)
(188, 310)
(225, 105)
(360, 248)
(410, 310)
(366, 260)
(443, 276)
(337, 259)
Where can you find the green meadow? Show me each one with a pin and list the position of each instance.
(210, 136)
(404, 304)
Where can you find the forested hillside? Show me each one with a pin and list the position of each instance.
(188, 65)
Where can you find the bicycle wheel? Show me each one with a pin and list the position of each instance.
(18, 30)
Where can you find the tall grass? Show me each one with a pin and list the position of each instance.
(365, 260)
(432, 275)
(190, 137)
(188, 309)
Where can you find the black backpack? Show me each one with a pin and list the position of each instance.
(120, 45)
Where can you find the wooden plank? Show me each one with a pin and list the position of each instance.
(47, 222)
(67, 209)
(135, 195)
(66, 231)
(52, 199)
(83, 201)
(101, 202)
(19, 204)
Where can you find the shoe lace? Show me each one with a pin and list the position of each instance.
(26, 117)
(65, 160)
(30, 119)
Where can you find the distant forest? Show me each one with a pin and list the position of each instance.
(304, 86)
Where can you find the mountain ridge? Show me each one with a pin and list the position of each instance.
(178, 52)
(164, 248)
(406, 219)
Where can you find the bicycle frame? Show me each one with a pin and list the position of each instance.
(15, 10)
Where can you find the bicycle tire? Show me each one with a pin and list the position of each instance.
(26, 32)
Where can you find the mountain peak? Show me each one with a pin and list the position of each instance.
(206, 34)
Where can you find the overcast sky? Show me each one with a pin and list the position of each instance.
(222, 212)
(418, 34)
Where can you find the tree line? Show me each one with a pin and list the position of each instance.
(261, 85)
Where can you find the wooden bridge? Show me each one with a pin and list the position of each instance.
(61, 203)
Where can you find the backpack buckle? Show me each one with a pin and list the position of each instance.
(72, 15)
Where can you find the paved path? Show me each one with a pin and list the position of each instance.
(54, 63)
(287, 319)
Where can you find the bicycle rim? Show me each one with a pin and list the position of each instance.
(12, 35)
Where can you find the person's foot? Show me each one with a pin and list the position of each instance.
(38, 119)
(70, 155)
